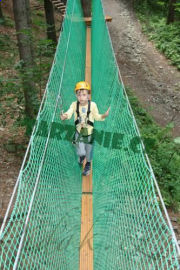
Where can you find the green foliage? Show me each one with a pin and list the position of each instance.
(12, 72)
(9, 86)
(7, 52)
(177, 7)
(11, 82)
(166, 37)
(40, 13)
(27, 122)
(163, 151)
(39, 23)
(4, 41)
(2, 21)
(45, 47)
(40, 2)
(7, 21)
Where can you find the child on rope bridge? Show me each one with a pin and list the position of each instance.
(85, 112)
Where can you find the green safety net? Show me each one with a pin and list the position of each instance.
(52, 235)
(43, 230)
(130, 232)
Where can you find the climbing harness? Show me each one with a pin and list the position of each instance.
(78, 121)
(83, 135)
(78, 137)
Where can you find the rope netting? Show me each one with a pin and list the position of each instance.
(44, 227)
(129, 229)
(44, 215)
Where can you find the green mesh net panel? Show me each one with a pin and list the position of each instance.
(43, 229)
(49, 193)
(129, 229)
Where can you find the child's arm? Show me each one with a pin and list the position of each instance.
(97, 115)
(106, 113)
(68, 114)
(63, 116)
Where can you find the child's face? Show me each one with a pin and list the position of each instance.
(82, 96)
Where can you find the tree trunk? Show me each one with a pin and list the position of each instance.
(1, 14)
(51, 31)
(86, 4)
(24, 37)
(171, 11)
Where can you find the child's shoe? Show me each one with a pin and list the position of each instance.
(81, 160)
(87, 169)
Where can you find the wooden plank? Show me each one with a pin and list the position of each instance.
(87, 180)
(87, 183)
(86, 243)
(88, 20)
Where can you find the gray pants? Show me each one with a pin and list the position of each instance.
(84, 148)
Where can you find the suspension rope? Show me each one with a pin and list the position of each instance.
(149, 167)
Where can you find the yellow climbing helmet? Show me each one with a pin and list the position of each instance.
(82, 85)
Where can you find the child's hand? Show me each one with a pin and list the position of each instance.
(63, 116)
(106, 113)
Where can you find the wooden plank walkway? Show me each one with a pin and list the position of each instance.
(86, 243)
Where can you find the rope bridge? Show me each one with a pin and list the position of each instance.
(129, 229)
